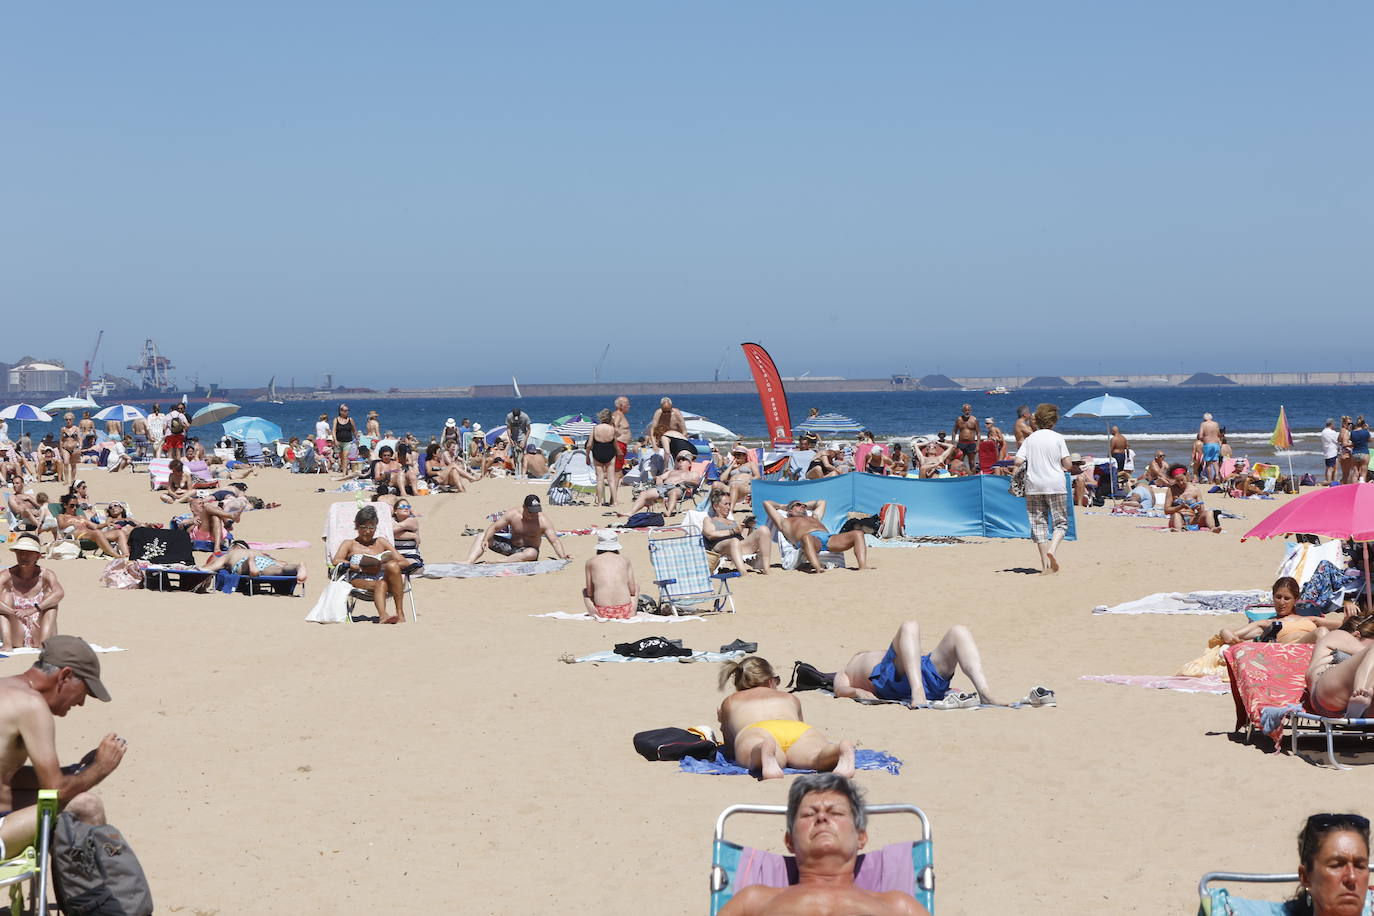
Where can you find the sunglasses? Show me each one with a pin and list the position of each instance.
(1325, 821)
(403, 505)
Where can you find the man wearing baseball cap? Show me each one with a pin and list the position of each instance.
(66, 673)
(526, 526)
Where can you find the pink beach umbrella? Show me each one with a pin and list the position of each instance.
(1345, 512)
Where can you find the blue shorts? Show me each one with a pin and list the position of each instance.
(822, 538)
(1211, 451)
(891, 684)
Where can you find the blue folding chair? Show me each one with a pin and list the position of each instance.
(682, 574)
(1217, 901)
(731, 863)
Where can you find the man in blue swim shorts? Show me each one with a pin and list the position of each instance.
(887, 675)
(1209, 434)
(800, 523)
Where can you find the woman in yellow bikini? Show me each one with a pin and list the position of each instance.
(763, 726)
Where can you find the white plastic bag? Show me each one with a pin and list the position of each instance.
(332, 606)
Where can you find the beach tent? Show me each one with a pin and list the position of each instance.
(978, 506)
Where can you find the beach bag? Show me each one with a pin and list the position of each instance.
(892, 520)
(560, 496)
(175, 426)
(673, 744)
(645, 520)
(64, 550)
(1307, 481)
(652, 647)
(1017, 487)
(95, 873)
(332, 605)
(121, 574)
(809, 677)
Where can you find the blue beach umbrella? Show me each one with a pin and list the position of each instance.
(23, 413)
(252, 428)
(213, 413)
(121, 412)
(1109, 407)
(829, 423)
(71, 403)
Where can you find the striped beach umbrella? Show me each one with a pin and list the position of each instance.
(828, 423)
(121, 412)
(25, 412)
(576, 429)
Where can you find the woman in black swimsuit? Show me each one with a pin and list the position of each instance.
(601, 451)
(344, 433)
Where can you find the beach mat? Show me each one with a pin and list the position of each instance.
(633, 618)
(1210, 684)
(718, 766)
(610, 656)
(26, 650)
(279, 545)
(490, 570)
(1199, 602)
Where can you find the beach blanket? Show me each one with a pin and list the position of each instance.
(1199, 602)
(25, 650)
(872, 541)
(279, 545)
(1265, 674)
(719, 766)
(610, 656)
(633, 618)
(1181, 684)
(490, 570)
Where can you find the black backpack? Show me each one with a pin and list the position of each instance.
(95, 873)
(673, 744)
(809, 677)
(645, 520)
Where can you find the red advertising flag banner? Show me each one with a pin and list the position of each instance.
(771, 393)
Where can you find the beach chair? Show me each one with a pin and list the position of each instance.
(1217, 901)
(230, 583)
(166, 558)
(31, 866)
(682, 574)
(200, 470)
(907, 866)
(338, 527)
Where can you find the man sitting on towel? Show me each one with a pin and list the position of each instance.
(610, 592)
(800, 523)
(526, 526)
(825, 831)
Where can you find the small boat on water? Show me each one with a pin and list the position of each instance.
(1000, 389)
(272, 396)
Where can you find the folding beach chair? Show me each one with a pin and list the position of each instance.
(907, 866)
(338, 527)
(1217, 901)
(31, 866)
(681, 572)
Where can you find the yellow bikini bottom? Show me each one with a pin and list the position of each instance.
(784, 731)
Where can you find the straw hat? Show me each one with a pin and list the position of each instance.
(26, 542)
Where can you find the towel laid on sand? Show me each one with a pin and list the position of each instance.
(633, 618)
(1202, 602)
(872, 541)
(609, 656)
(863, 760)
(490, 570)
(1181, 684)
(24, 650)
(279, 545)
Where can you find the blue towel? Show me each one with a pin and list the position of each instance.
(863, 760)
(1271, 717)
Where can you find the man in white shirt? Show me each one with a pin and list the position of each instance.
(1331, 447)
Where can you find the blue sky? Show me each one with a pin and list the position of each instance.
(446, 193)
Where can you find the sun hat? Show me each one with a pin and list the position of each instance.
(75, 653)
(607, 540)
(450, 422)
(25, 542)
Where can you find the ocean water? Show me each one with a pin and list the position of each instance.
(1247, 413)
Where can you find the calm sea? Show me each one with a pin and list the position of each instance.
(1248, 414)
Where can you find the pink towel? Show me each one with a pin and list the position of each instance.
(1184, 684)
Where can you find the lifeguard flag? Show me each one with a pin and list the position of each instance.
(771, 393)
(1283, 436)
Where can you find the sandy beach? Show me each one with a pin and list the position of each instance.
(455, 765)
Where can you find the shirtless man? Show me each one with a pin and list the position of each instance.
(668, 430)
(800, 524)
(29, 596)
(669, 487)
(825, 831)
(1185, 505)
(610, 592)
(606, 456)
(69, 441)
(1209, 434)
(536, 465)
(65, 674)
(1157, 472)
(1119, 448)
(620, 419)
(526, 526)
(1024, 426)
(888, 675)
(966, 437)
(31, 511)
(139, 428)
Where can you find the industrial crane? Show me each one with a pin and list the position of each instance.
(86, 370)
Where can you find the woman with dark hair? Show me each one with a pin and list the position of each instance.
(1285, 626)
(763, 727)
(373, 563)
(1333, 866)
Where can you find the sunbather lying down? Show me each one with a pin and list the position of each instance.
(1340, 679)
(763, 725)
(242, 560)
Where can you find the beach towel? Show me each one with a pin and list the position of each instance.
(609, 656)
(490, 570)
(1181, 684)
(864, 759)
(25, 650)
(1199, 602)
(1267, 674)
(874, 541)
(633, 618)
(889, 868)
(279, 545)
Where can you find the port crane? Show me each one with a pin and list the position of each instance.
(86, 369)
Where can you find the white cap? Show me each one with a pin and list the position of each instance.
(607, 539)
